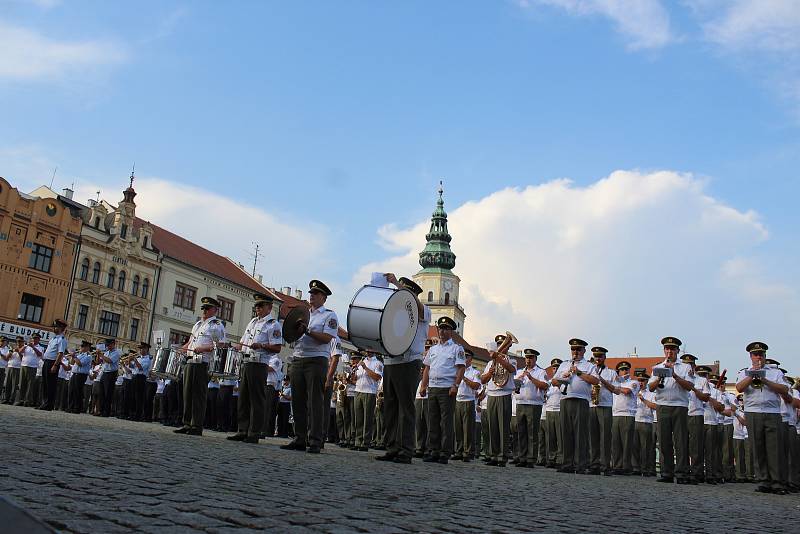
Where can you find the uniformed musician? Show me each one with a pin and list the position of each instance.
(645, 431)
(262, 339)
(5, 353)
(552, 408)
(82, 364)
(499, 405)
(533, 385)
(206, 333)
(368, 373)
(12, 373)
(308, 372)
(601, 415)
(698, 397)
(108, 379)
(30, 355)
(578, 375)
(623, 419)
(140, 366)
(464, 421)
(673, 410)
(56, 349)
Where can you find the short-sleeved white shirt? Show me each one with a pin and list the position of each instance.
(578, 387)
(204, 333)
(528, 392)
(493, 390)
(466, 393)
(320, 320)
(15, 362)
(625, 405)
(644, 414)
(762, 400)
(364, 383)
(696, 406)
(443, 361)
(739, 430)
(672, 394)
(553, 401)
(606, 397)
(275, 374)
(29, 357)
(265, 331)
(4, 353)
(56, 345)
(710, 415)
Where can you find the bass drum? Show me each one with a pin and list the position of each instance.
(383, 320)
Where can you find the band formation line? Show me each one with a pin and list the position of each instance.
(412, 396)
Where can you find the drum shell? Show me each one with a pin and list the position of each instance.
(160, 362)
(383, 320)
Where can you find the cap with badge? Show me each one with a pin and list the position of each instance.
(702, 370)
(110, 340)
(623, 366)
(410, 285)
(208, 302)
(688, 358)
(770, 361)
(262, 299)
(555, 362)
(446, 323)
(600, 351)
(670, 341)
(316, 285)
(577, 343)
(757, 346)
(530, 353)
(642, 375)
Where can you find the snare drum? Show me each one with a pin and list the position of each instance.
(216, 364)
(383, 320)
(175, 364)
(233, 365)
(160, 360)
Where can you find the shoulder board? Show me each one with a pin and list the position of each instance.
(214, 321)
(743, 369)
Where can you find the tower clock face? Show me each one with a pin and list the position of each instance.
(448, 285)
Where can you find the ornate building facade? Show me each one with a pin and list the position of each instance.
(115, 276)
(438, 282)
(38, 243)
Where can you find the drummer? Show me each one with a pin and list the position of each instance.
(308, 371)
(205, 334)
(261, 340)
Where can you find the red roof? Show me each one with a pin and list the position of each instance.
(184, 251)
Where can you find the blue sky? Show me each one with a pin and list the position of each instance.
(341, 117)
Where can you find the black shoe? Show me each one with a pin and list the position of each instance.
(380, 448)
(314, 449)
(530, 466)
(711, 482)
(442, 460)
(293, 446)
(429, 459)
(456, 457)
(362, 449)
(419, 455)
(237, 437)
(522, 464)
(402, 460)
(501, 464)
(251, 439)
(669, 480)
(353, 448)
(181, 430)
(386, 457)
(692, 481)
(466, 459)
(194, 432)
(764, 489)
(682, 481)
(565, 470)
(491, 462)
(541, 464)
(514, 461)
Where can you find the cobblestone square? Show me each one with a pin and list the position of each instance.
(87, 474)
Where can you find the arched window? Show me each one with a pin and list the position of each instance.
(112, 275)
(97, 222)
(96, 273)
(430, 296)
(85, 269)
(447, 298)
(135, 285)
(145, 288)
(121, 281)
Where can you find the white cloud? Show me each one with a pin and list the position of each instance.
(621, 262)
(644, 23)
(29, 55)
(770, 25)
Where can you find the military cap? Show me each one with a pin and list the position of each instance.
(702, 369)
(262, 299)
(144, 345)
(770, 361)
(20, 338)
(499, 338)
(209, 302)
(757, 346)
(2, 338)
(670, 341)
(58, 323)
(530, 353)
(789, 379)
(36, 335)
(713, 377)
(623, 366)
(446, 322)
(110, 340)
(555, 362)
(316, 285)
(598, 350)
(642, 376)
(575, 342)
(410, 285)
(688, 358)
(357, 354)
(86, 343)
(468, 352)
(782, 370)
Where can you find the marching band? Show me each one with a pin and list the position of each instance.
(576, 416)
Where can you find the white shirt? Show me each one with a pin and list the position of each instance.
(204, 333)
(213, 384)
(62, 374)
(625, 405)
(696, 406)
(160, 386)
(644, 414)
(146, 362)
(466, 393)
(364, 383)
(739, 430)
(710, 415)
(29, 357)
(84, 363)
(56, 345)
(442, 360)
(553, 401)
(263, 330)
(672, 394)
(762, 400)
(730, 402)
(15, 362)
(275, 374)
(529, 393)
(418, 345)
(578, 387)
(417, 396)
(114, 356)
(493, 390)
(320, 320)
(606, 397)
(3, 354)
(287, 392)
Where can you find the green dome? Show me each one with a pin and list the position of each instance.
(437, 256)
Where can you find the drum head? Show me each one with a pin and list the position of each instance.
(399, 322)
(383, 320)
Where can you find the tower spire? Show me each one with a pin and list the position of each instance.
(437, 256)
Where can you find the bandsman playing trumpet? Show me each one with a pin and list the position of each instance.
(698, 397)
(601, 415)
(623, 420)
(533, 385)
(552, 407)
(368, 373)
(499, 388)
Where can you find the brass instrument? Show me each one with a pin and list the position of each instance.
(379, 399)
(500, 374)
(596, 387)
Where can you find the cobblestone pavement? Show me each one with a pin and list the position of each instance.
(88, 474)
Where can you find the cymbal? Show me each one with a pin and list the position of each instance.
(292, 330)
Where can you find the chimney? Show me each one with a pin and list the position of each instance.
(298, 294)
(286, 290)
(68, 193)
(260, 279)
(91, 203)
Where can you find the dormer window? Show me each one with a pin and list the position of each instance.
(144, 242)
(123, 231)
(97, 222)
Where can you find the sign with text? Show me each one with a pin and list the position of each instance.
(12, 330)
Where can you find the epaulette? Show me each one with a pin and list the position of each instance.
(214, 321)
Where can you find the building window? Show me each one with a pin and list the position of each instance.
(135, 285)
(96, 273)
(97, 222)
(109, 323)
(85, 269)
(144, 242)
(225, 309)
(40, 258)
(121, 281)
(112, 276)
(177, 337)
(123, 232)
(184, 296)
(430, 296)
(146, 288)
(134, 329)
(83, 314)
(446, 299)
(30, 309)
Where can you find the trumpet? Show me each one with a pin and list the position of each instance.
(565, 385)
(500, 374)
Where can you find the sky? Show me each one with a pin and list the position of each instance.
(614, 170)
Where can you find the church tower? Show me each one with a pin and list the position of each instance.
(438, 282)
